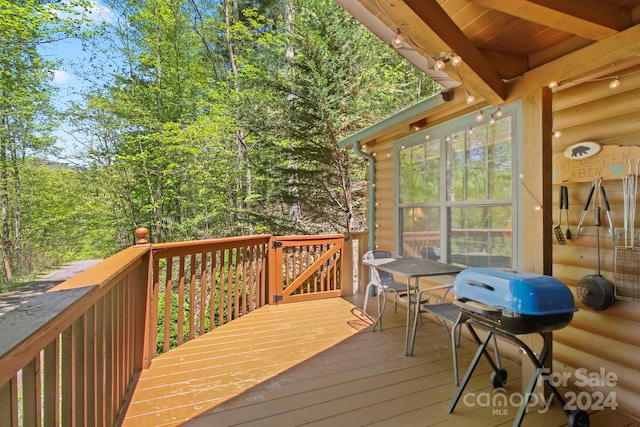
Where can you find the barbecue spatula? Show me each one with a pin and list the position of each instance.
(558, 228)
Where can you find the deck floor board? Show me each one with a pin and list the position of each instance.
(318, 363)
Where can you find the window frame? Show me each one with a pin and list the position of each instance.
(462, 123)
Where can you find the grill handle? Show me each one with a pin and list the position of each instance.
(481, 285)
(476, 307)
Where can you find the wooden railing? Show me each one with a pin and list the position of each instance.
(200, 285)
(72, 355)
(69, 356)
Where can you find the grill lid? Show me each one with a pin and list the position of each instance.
(515, 291)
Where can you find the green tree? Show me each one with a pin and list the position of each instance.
(67, 217)
(26, 115)
(337, 79)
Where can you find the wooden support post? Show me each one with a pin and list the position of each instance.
(537, 224)
(536, 179)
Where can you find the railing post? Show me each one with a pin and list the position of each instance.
(362, 271)
(145, 326)
(271, 274)
(346, 276)
(142, 234)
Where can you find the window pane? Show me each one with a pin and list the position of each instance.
(477, 203)
(481, 236)
(479, 166)
(420, 173)
(421, 232)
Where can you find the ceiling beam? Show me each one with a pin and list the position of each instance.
(608, 54)
(507, 65)
(478, 74)
(591, 19)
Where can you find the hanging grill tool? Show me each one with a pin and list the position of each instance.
(586, 207)
(565, 197)
(594, 290)
(597, 184)
(626, 267)
(558, 228)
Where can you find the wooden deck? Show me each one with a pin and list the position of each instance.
(319, 364)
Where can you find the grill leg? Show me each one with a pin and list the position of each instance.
(476, 358)
(539, 364)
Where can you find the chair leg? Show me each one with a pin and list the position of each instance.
(382, 306)
(366, 296)
(382, 302)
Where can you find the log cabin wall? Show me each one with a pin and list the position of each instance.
(607, 339)
(604, 343)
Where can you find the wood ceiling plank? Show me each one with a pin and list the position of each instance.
(591, 19)
(477, 71)
(606, 54)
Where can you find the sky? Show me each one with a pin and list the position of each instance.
(70, 54)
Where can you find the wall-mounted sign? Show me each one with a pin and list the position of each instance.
(611, 162)
(582, 150)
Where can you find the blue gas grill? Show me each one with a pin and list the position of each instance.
(506, 303)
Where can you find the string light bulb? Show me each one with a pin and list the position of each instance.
(439, 65)
(557, 134)
(492, 120)
(456, 60)
(470, 98)
(553, 85)
(498, 112)
(479, 116)
(614, 84)
(398, 39)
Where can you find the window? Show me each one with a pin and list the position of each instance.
(455, 192)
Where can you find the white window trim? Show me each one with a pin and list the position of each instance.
(456, 125)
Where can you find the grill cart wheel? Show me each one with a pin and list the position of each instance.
(578, 418)
(498, 378)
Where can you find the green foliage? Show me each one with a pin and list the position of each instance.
(205, 119)
(339, 78)
(173, 325)
(67, 218)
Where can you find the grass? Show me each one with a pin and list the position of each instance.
(18, 282)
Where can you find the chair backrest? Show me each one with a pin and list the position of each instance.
(379, 276)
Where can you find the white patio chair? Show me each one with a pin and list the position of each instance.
(384, 283)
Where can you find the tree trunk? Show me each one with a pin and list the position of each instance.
(242, 148)
(295, 213)
(18, 198)
(4, 202)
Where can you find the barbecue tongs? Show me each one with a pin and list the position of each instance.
(596, 183)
